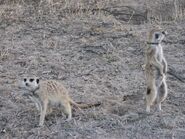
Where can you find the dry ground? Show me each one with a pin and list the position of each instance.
(97, 60)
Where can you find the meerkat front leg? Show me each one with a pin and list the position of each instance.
(43, 113)
(157, 64)
(165, 66)
(37, 102)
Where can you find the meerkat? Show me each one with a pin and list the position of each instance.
(155, 67)
(47, 93)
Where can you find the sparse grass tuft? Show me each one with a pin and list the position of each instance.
(4, 53)
(95, 47)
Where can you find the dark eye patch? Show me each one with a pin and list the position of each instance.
(31, 80)
(37, 80)
(25, 79)
(156, 36)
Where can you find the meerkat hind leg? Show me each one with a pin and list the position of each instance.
(162, 94)
(150, 98)
(159, 106)
(157, 64)
(49, 110)
(67, 110)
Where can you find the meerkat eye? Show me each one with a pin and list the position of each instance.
(156, 36)
(37, 80)
(31, 80)
(25, 79)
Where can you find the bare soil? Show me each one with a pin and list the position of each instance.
(96, 61)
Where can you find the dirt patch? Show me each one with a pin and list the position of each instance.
(96, 61)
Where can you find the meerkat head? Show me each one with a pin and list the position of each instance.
(156, 36)
(30, 84)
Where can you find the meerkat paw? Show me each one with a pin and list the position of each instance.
(148, 109)
(37, 126)
(143, 66)
(159, 107)
(69, 118)
(49, 111)
(40, 124)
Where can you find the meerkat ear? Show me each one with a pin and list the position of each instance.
(37, 80)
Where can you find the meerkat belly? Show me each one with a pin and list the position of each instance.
(159, 57)
(56, 100)
(160, 54)
(54, 103)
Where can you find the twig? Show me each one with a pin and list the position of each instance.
(176, 75)
(131, 16)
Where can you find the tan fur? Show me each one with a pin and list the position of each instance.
(154, 54)
(51, 92)
(155, 67)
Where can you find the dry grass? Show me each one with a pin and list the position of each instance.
(96, 51)
(171, 10)
(4, 53)
(114, 10)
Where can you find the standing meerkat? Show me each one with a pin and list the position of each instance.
(49, 92)
(155, 67)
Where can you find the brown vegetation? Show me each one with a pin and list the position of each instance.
(96, 48)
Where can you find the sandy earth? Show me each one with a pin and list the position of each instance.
(96, 61)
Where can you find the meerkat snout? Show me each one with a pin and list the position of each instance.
(30, 84)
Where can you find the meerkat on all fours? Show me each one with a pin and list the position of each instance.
(155, 67)
(50, 92)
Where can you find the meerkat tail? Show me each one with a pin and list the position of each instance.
(84, 105)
